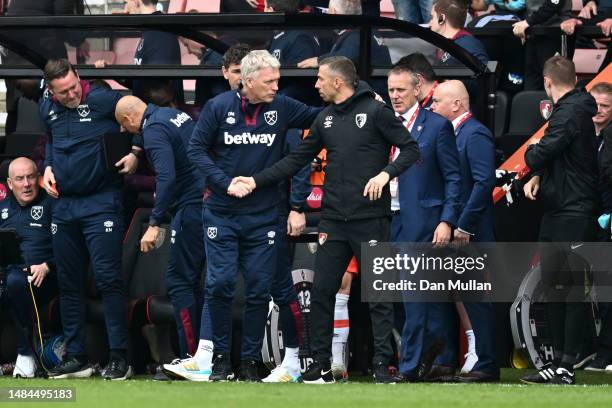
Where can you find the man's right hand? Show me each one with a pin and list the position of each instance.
(241, 187)
(569, 26)
(49, 182)
(532, 187)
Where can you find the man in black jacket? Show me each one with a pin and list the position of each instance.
(358, 133)
(566, 181)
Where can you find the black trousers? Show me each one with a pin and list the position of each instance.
(538, 49)
(563, 276)
(338, 242)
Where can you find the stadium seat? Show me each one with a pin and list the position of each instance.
(203, 6)
(176, 6)
(20, 144)
(525, 119)
(28, 117)
(501, 113)
(124, 49)
(589, 61)
(525, 116)
(577, 5)
(387, 9)
(147, 285)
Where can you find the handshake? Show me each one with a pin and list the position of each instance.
(241, 187)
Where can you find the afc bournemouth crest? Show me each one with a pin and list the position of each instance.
(322, 238)
(360, 119)
(211, 232)
(546, 108)
(83, 110)
(270, 117)
(36, 212)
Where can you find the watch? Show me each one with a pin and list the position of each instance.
(297, 208)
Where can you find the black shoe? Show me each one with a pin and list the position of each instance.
(598, 364)
(428, 358)
(117, 369)
(583, 359)
(160, 375)
(439, 373)
(71, 367)
(248, 371)
(318, 374)
(381, 374)
(474, 377)
(549, 374)
(222, 369)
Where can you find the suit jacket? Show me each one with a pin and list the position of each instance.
(477, 158)
(429, 191)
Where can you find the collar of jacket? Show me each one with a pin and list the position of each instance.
(363, 90)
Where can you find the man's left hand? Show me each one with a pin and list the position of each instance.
(296, 223)
(39, 272)
(460, 237)
(374, 188)
(442, 234)
(128, 164)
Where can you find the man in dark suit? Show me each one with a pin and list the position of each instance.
(476, 223)
(425, 204)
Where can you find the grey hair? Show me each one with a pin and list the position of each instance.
(398, 69)
(346, 7)
(255, 61)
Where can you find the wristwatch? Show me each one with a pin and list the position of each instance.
(297, 208)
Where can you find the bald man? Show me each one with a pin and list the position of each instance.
(476, 223)
(178, 189)
(28, 211)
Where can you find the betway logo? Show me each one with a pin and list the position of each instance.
(180, 119)
(248, 138)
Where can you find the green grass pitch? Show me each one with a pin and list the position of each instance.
(594, 390)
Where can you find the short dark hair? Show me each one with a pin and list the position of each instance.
(602, 88)
(284, 6)
(235, 54)
(455, 11)
(149, 2)
(560, 70)
(57, 68)
(342, 67)
(417, 63)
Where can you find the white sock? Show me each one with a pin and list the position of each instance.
(291, 362)
(471, 358)
(471, 338)
(341, 329)
(204, 354)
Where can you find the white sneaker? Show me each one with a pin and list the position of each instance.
(187, 369)
(339, 372)
(470, 361)
(281, 375)
(25, 367)
(608, 369)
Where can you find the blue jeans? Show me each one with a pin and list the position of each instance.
(414, 11)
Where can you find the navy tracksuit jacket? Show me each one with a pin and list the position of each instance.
(32, 224)
(166, 134)
(87, 217)
(234, 138)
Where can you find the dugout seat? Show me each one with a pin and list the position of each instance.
(19, 144)
(501, 114)
(525, 120)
